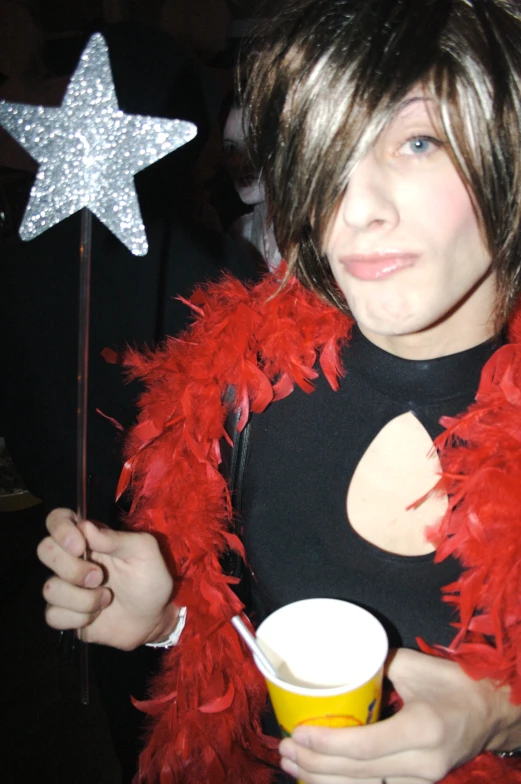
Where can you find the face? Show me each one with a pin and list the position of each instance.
(405, 247)
(245, 179)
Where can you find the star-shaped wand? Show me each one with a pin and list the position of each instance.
(89, 151)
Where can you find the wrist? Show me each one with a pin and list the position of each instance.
(506, 734)
(170, 621)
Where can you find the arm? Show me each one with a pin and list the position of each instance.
(123, 593)
(447, 718)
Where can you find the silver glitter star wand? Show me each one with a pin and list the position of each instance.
(89, 151)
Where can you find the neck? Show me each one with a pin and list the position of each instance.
(428, 344)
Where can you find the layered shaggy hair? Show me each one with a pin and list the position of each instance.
(326, 76)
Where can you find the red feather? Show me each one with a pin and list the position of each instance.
(263, 343)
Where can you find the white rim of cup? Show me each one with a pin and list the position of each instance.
(329, 691)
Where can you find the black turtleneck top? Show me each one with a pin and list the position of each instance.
(303, 453)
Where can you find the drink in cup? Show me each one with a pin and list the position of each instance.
(328, 655)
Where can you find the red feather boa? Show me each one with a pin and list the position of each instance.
(208, 700)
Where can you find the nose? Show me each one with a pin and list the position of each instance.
(369, 200)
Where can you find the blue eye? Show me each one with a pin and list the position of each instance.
(420, 145)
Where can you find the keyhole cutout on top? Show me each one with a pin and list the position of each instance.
(399, 467)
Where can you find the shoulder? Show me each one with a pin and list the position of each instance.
(233, 312)
(250, 337)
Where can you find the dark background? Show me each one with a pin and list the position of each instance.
(172, 59)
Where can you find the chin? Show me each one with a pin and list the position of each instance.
(394, 312)
(394, 325)
(250, 196)
(384, 322)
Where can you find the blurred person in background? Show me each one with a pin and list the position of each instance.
(252, 229)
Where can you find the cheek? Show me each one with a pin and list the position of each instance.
(446, 212)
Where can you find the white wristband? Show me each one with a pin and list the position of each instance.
(175, 634)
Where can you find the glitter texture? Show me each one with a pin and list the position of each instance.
(89, 151)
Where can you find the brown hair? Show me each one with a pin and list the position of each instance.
(330, 75)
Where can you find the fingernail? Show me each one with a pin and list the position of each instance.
(300, 736)
(69, 543)
(92, 579)
(287, 751)
(106, 598)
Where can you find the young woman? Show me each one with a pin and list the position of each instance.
(389, 137)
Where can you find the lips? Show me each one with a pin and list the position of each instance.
(374, 266)
(247, 181)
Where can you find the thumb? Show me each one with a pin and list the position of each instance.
(118, 544)
(402, 663)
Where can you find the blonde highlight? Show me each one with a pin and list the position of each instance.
(330, 75)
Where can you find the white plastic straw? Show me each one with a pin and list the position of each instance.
(252, 644)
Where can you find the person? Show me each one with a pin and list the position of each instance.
(389, 135)
(252, 229)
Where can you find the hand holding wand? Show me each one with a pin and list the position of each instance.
(89, 151)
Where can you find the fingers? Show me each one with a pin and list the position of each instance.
(405, 746)
(72, 607)
(385, 738)
(416, 727)
(74, 538)
(61, 551)
(62, 528)
(124, 545)
(330, 754)
(71, 568)
(309, 777)
(312, 767)
(126, 566)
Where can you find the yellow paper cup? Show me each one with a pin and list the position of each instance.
(329, 657)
